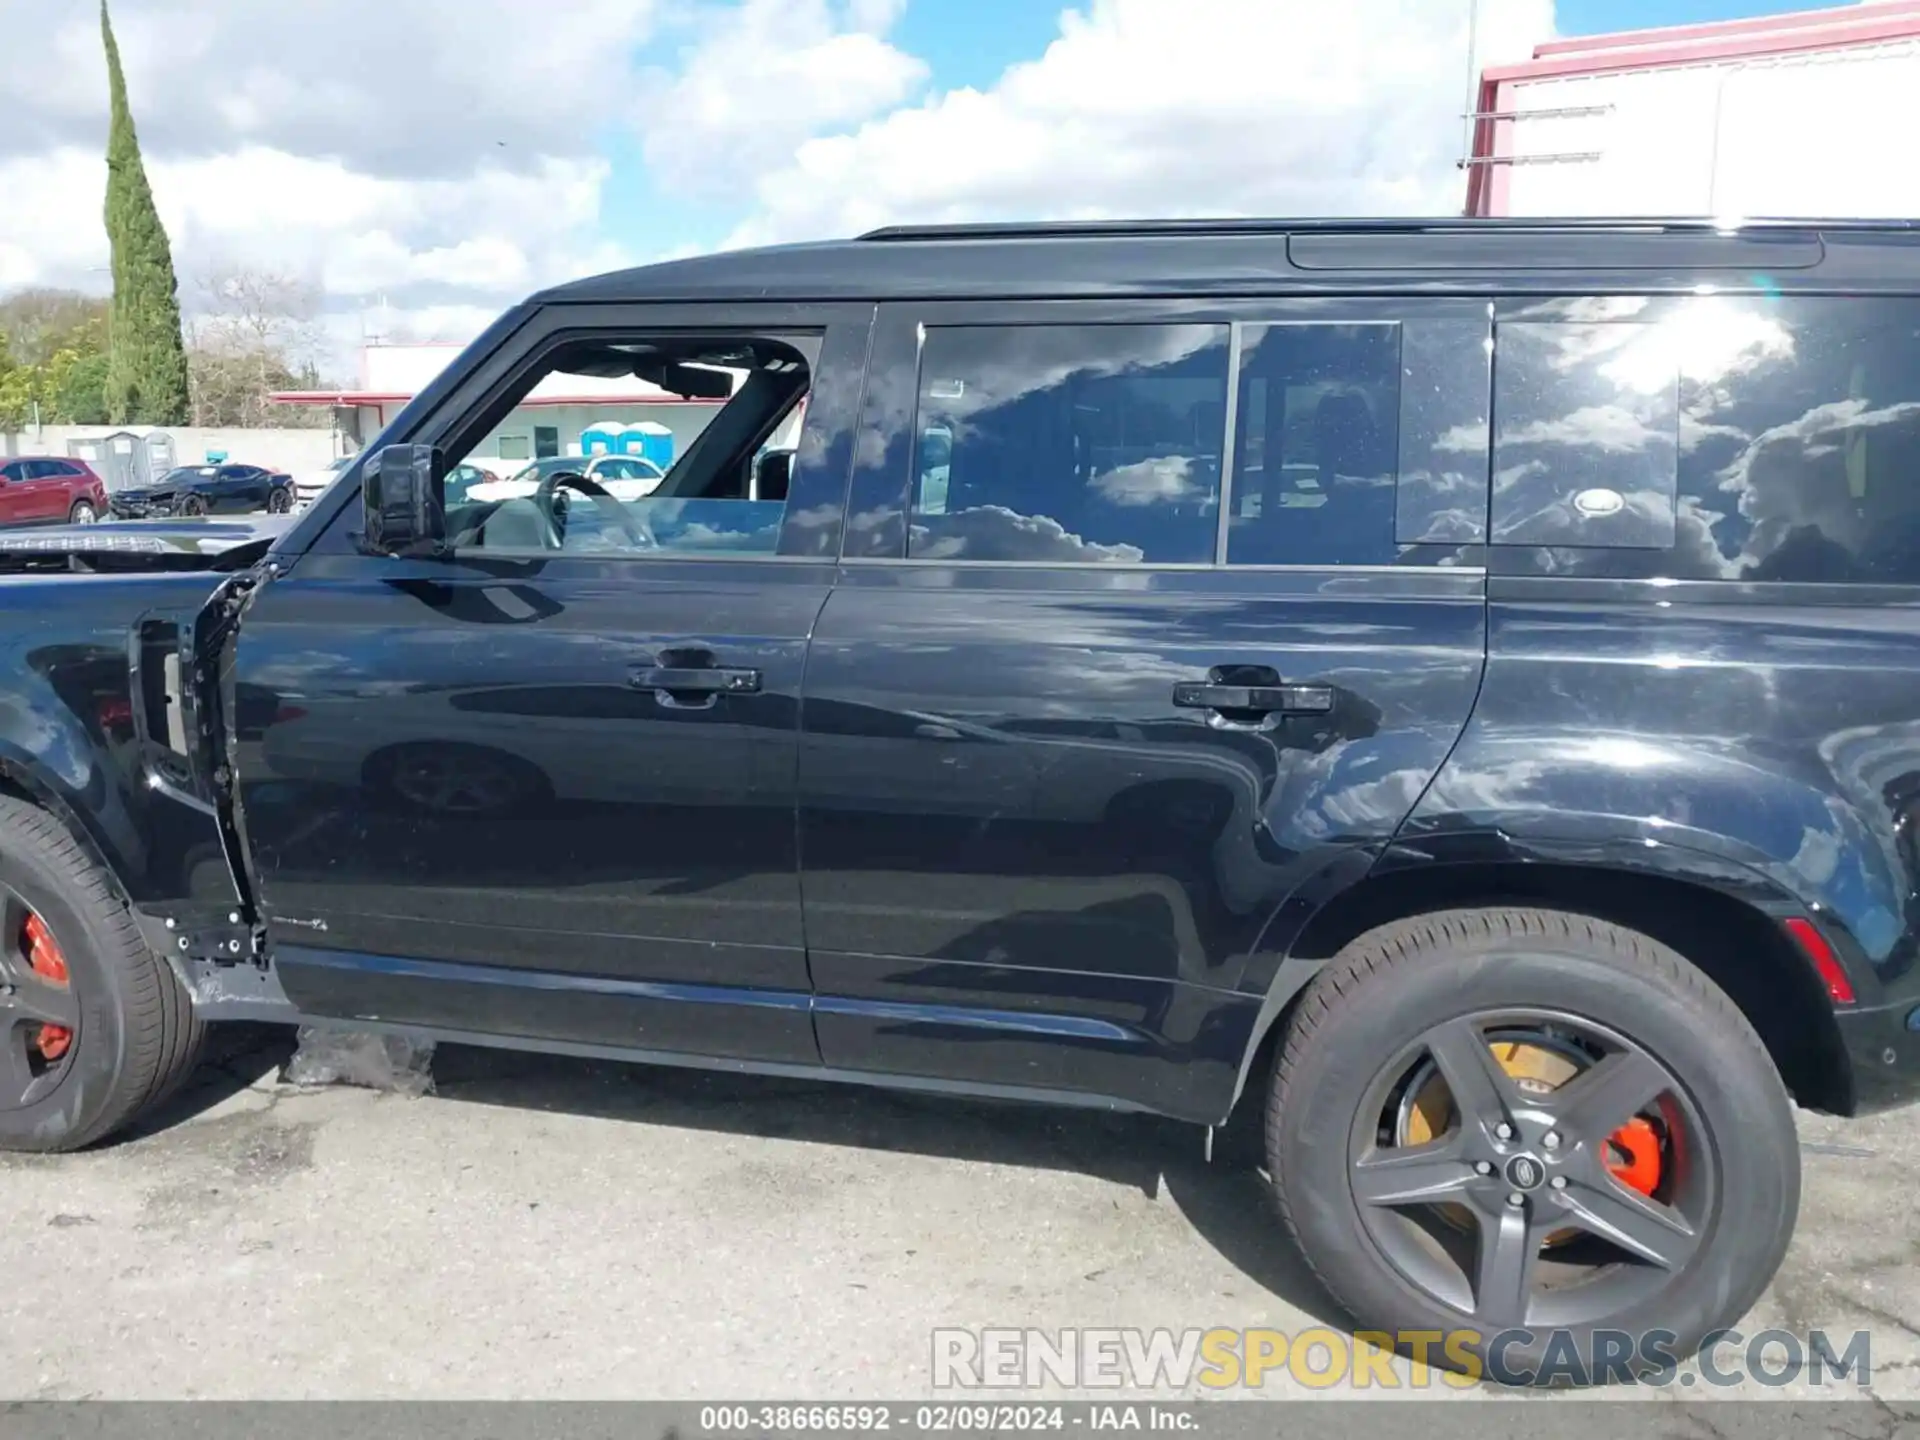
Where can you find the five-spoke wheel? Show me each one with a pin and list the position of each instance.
(1532, 1127)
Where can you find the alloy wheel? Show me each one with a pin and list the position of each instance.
(39, 1011)
(1529, 1168)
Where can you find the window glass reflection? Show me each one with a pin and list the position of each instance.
(1069, 444)
(1316, 447)
(1586, 437)
(1797, 438)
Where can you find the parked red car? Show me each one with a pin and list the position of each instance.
(50, 490)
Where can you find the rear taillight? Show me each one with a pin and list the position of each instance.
(1815, 947)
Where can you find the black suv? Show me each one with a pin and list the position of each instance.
(1452, 687)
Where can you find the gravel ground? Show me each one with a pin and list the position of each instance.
(548, 1228)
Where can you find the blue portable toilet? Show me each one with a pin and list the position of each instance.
(651, 440)
(603, 437)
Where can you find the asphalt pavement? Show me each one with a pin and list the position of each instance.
(545, 1228)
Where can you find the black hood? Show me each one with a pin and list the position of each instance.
(189, 543)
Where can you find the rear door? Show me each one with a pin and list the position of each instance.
(13, 493)
(42, 495)
(545, 787)
(1150, 613)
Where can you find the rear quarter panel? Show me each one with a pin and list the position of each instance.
(1774, 736)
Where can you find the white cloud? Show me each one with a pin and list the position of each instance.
(1145, 107)
(440, 156)
(763, 78)
(388, 87)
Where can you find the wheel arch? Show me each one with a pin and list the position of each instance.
(1735, 939)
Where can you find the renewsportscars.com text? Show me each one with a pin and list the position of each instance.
(1320, 1358)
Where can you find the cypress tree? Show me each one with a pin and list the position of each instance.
(147, 364)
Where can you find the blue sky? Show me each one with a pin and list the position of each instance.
(1593, 17)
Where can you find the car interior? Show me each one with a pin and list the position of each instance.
(725, 492)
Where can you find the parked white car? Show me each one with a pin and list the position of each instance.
(626, 477)
(310, 485)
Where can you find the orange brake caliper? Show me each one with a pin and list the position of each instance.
(1635, 1157)
(44, 956)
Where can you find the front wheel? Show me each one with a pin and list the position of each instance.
(1544, 1130)
(280, 502)
(94, 1027)
(193, 505)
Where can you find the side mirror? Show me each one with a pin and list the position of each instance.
(400, 501)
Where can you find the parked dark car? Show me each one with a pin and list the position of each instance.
(208, 490)
(1449, 688)
(49, 490)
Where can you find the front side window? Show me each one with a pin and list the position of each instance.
(1069, 444)
(741, 388)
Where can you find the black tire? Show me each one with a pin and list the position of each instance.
(1394, 985)
(138, 1037)
(280, 501)
(193, 505)
(82, 513)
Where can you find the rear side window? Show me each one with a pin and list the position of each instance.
(1316, 453)
(1587, 449)
(1718, 437)
(1070, 444)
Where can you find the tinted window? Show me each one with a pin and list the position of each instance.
(1587, 441)
(1795, 444)
(1316, 446)
(1070, 444)
(14, 471)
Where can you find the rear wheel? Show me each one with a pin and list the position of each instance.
(93, 1026)
(82, 513)
(1529, 1121)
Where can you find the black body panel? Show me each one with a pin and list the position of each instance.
(992, 821)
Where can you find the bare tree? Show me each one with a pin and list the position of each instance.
(252, 332)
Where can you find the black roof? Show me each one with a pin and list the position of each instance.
(1076, 259)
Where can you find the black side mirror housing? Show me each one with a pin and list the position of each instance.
(400, 501)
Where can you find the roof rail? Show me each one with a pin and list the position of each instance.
(1062, 229)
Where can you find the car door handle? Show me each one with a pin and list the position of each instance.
(1254, 699)
(692, 680)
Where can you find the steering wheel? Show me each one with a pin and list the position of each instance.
(602, 500)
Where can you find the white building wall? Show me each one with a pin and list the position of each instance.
(1824, 134)
(289, 450)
